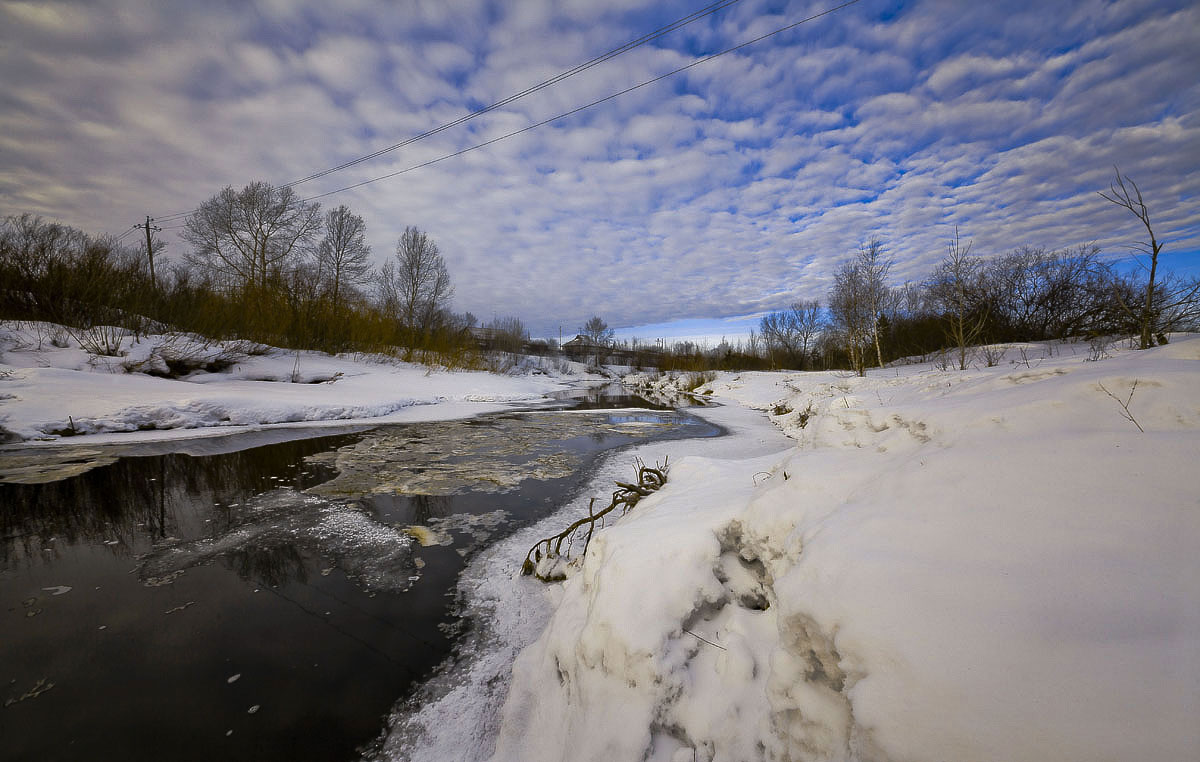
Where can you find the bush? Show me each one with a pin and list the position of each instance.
(693, 381)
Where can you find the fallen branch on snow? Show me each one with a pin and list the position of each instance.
(546, 565)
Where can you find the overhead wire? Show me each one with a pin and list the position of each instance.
(127, 232)
(596, 61)
(586, 106)
(651, 36)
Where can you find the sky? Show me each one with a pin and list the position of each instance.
(687, 207)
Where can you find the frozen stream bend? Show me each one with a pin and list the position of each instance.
(456, 715)
(298, 577)
(993, 564)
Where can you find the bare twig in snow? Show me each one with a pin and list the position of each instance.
(1125, 405)
(706, 640)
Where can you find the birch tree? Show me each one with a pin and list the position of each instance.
(415, 285)
(872, 271)
(850, 311)
(342, 256)
(956, 291)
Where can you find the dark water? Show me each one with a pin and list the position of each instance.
(250, 605)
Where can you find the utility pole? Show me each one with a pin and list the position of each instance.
(150, 246)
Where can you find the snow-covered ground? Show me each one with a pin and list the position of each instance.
(994, 564)
(457, 715)
(50, 392)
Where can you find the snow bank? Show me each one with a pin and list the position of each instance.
(457, 715)
(989, 565)
(48, 391)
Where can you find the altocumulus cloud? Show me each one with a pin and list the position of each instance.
(727, 190)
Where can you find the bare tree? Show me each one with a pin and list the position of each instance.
(873, 270)
(243, 236)
(1120, 193)
(851, 311)
(809, 322)
(955, 289)
(790, 334)
(509, 334)
(1037, 294)
(597, 331)
(1175, 300)
(56, 272)
(342, 256)
(415, 286)
(30, 247)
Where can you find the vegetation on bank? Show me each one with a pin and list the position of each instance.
(267, 267)
(264, 267)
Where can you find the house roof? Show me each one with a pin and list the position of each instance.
(583, 341)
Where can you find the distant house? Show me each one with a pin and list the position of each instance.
(485, 339)
(582, 349)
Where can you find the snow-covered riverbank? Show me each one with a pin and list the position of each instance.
(995, 564)
(457, 715)
(50, 392)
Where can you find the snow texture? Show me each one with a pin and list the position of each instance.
(457, 715)
(989, 565)
(992, 564)
(48, 392)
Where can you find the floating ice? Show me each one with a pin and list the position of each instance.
(51, 465)
(38, 689)
(268, 530)
(491, 454)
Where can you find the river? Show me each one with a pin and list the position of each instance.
(225, 597)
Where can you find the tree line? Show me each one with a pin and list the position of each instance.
(1028, 294)
(263, 265)
(268, 267)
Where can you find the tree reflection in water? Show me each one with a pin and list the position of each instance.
(125, 505)
(230, 550)
(268, 566)
(426, 507)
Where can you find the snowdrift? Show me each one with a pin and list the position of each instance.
(995, 564)
(52, 387)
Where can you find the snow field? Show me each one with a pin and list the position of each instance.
(48, 391)
(458, 714)
(988, 565)
(993, 564)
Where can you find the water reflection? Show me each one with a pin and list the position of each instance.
(327, 601)
(427, 507)
(123, 505)
(615, 396)
(268, 566)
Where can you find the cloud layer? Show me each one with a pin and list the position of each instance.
(732, 188)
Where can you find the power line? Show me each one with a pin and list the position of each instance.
(602, 58)
(127, 232)
(150, 229)
(707, 11)
(586, 106)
